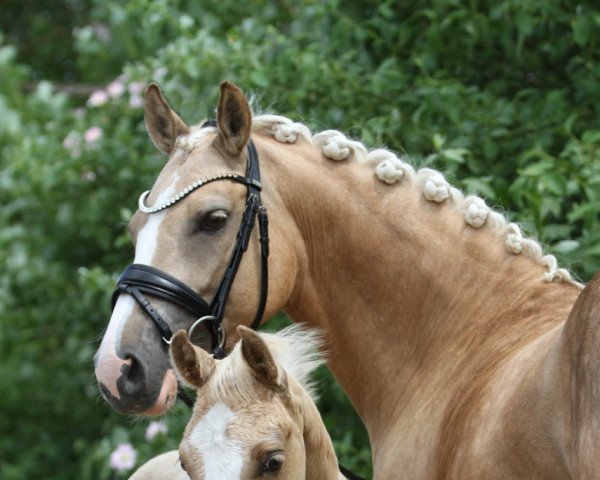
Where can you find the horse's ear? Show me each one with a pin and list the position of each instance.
(259, 358)
(162, 123)
(192, 364)
(234, 119)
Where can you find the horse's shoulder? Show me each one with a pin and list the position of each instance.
(162, 467)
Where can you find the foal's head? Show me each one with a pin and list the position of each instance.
(254, 417)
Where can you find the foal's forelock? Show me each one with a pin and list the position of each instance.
(390, 169)
(296, 351)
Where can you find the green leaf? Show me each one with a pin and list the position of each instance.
(566, 246)
(591, 137)
(438, 141)
(479, 186)
(582, 29)
(538, 168)
(554, 183)
(583, 210)
(456, 155)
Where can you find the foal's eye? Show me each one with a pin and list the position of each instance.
(273, 462)
(214, 220)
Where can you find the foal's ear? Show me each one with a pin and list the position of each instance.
(258, 357)
(162, 123)
(192, 364)
(234, 119)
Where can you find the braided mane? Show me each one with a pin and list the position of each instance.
(390, 169)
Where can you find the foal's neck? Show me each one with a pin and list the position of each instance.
(321, 461)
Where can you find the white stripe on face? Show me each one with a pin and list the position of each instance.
(222, 456)
(107, 353)
(108, 368)
(147, 238)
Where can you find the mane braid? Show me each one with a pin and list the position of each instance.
(390, 169)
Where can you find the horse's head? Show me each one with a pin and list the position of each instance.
(249, 419)
(187, 231)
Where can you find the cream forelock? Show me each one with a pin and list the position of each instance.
(295, 349)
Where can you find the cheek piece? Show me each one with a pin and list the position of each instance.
(139, 280)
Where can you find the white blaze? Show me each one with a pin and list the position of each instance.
(222, 456)
(147, 238)
(108, 347)
(144, 252)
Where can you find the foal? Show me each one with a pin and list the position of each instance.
(255, 416)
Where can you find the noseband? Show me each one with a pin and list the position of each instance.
(137, 279)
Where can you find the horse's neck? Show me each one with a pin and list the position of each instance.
(405, 290)
(321, 462)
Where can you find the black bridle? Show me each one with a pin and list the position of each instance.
(137, 279)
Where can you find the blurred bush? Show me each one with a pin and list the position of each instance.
(502, 96)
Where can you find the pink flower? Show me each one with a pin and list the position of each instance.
(116, 88)
(135, 94)
(97, 98)
(88, 176)
(154, 428)
(102, 32)
(136, 88)
(160, 73)
(92, 135)
(136, 101)
(72, 143)
(123, 457)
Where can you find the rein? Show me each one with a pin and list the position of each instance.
(137, 279)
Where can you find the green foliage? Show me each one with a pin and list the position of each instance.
(502, 96)
(43, 30)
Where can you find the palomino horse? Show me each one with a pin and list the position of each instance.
(255, 416)
(465, 351)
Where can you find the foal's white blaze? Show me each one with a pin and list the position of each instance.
(222, 456)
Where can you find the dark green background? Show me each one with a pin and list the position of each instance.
(502, 96)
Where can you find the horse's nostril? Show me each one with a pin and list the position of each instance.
(129, 383)
(133, 376)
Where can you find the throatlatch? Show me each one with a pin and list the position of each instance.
(137, 279)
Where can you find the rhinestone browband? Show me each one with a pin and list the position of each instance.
(187, 190)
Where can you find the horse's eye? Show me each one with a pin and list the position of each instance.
(214, 220)
(273, 462)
